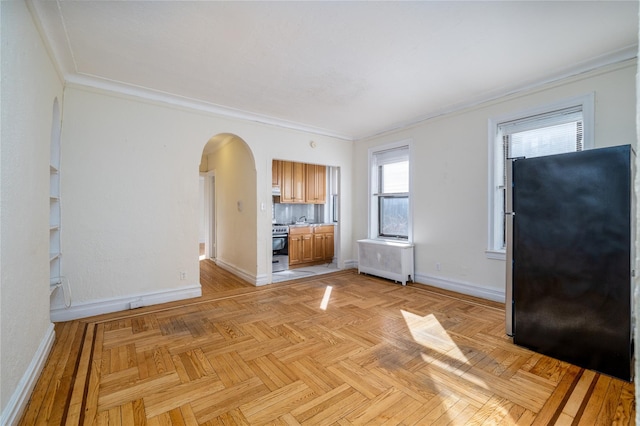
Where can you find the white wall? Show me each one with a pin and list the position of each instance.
(29, 87)
(130, 190)
(451, 176)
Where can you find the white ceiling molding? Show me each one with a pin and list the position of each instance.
(79, 80)
(614, 58)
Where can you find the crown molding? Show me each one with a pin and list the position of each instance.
(619, 58)
(82, 80)
(616, 58)
(64, 63)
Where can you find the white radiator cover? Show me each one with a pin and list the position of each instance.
(386, 259)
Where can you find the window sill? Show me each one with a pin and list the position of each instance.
(496, 254)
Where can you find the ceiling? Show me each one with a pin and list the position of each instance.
(348, 69)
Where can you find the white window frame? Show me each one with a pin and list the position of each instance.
(372, 188)
(494, 211)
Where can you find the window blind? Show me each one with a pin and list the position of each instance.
(393, 155)
(546, 134)
(553, 118)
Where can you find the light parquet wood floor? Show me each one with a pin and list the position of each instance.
(377, 353)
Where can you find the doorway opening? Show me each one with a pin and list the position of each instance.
(305, 220)
(207, 215)
(228, 215)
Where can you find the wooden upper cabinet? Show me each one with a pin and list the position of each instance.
(316, 184)
(276, 173)
(300, 182)
(292, 187)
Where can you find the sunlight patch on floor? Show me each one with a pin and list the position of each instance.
(325, 298)
(428, 332)
(440, 349)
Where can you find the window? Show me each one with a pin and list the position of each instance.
(555, 129)
(390, 201)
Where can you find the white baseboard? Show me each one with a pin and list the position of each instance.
(123, 303)
(469, 289)
(262, 280)
(351, 264)
(253, 279)
(18, 402)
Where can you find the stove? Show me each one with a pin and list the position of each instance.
(279, 228)
(280, 246)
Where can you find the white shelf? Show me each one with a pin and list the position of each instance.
(55, 281)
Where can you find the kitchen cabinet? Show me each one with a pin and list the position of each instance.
(310, 245)
(300, 245)
(323, 243)
(316, 184)
(292, 185)
(299, 182)
(295, 249)
(276, 173)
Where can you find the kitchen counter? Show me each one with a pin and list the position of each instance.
(311, 224)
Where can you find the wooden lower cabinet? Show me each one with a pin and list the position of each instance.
(323, 243)
(310, 245)
(300, 245)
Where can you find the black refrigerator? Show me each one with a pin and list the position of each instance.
(569, 257)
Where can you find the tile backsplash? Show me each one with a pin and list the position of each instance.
(290, 213)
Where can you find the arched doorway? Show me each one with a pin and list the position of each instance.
(230, 204)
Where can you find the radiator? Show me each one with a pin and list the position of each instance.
(386, 259)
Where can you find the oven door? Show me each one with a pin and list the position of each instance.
(280, 244)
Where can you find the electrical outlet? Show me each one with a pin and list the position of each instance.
(438, 266)
(183, 275)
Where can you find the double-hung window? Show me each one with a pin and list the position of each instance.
(557, 129)
(390, 216)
